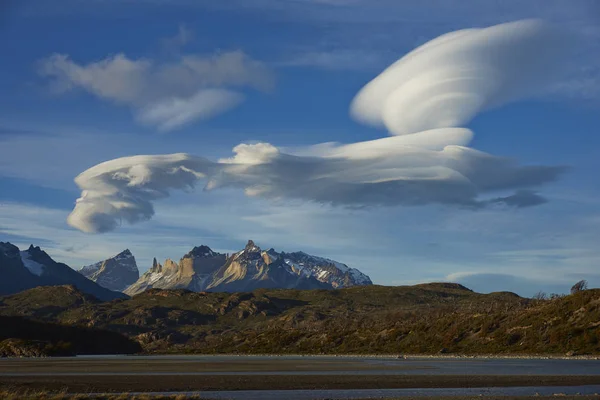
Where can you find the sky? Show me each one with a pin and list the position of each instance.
(250, 90)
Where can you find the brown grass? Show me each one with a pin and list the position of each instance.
(43, 395)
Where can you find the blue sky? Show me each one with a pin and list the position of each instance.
(305, 60)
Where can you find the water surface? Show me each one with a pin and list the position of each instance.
(293, 365)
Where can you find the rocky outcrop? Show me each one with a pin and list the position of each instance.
(33, 348)
(193, 272)
(115, 273)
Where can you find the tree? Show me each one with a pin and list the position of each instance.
(540, 296)
(579, 286)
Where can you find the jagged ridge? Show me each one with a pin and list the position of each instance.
(251, 268)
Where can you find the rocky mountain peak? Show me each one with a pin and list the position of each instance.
(124, 254)
(34, 249)
(201, 251)
(250, 246)
(250, 252)
(115, 273)
(9, 250)
(38, 255)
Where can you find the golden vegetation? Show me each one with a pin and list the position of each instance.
(422, 319)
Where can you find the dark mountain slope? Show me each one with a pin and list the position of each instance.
(23, 337)
(22, 270)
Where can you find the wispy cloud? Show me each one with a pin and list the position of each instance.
(166, 94)
(339, 59)
(183, 36)
(374, 27)
(176, 112)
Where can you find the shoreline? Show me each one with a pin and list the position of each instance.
(382, 356)
(346, 356)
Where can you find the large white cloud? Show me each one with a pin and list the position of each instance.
(423, 99)
(167, 95)
(124, 188)
(447, 81)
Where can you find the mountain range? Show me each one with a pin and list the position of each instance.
(21, 270)
(201, 269)
(423, 319)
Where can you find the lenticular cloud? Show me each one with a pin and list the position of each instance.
(124, 188)
(423, 100)
(449, 80)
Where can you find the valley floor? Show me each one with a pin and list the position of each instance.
(300, 377)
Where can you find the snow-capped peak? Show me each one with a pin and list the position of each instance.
(125, 254)
(325, 270)
(114, 273)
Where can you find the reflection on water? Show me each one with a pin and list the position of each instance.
(373, 366)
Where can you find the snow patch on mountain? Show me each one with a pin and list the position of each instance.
(114, 273)
(91, 269)
(34, 267)
(329, 271)
(248, 269)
